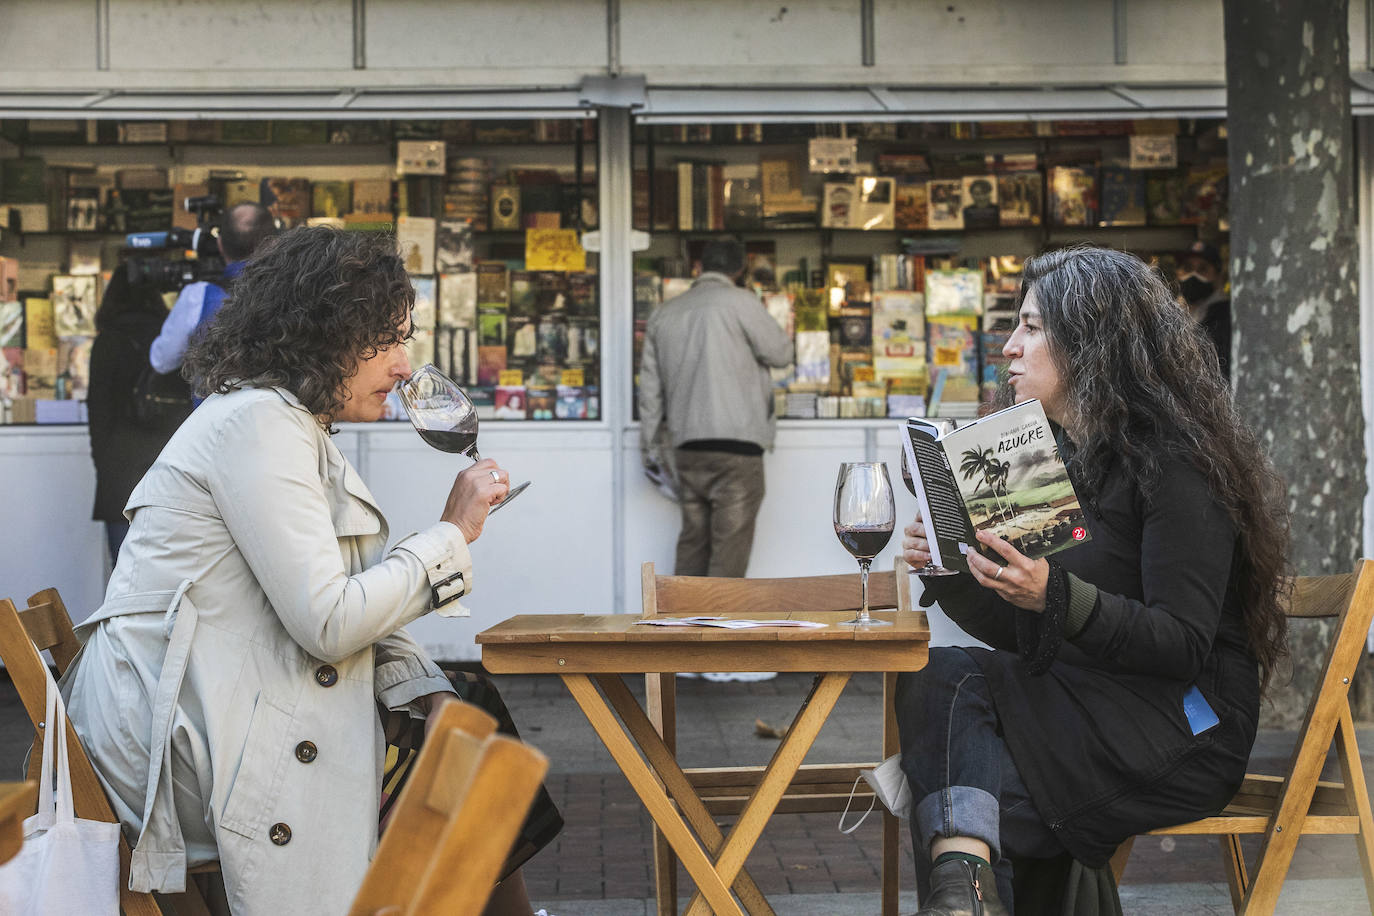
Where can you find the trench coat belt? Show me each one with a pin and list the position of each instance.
(159, 856)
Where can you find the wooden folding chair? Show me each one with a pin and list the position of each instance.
(455, 822)
(44, 624)
(1284, 808)
(816, 787)
(17, 801)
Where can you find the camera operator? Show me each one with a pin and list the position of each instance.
(243, 227)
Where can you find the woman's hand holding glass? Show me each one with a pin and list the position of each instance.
(475, 490)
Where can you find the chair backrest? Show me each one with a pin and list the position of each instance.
(456, 820)
(23, 634)
(663, 595)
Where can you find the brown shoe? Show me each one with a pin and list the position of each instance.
(959, 888)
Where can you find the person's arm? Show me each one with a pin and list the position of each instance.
(101, 399)
(169, 348)
(650, 398)
(1187, 544)
(771, 345)
(406, 677)
(979, 612)
(266, 483)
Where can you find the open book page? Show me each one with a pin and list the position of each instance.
(729, 623)
(937, 495)
(1013, 481)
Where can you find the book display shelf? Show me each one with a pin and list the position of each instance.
(892, 251)
(489, 216)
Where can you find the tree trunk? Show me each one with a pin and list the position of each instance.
(1294, 286)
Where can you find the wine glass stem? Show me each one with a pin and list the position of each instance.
(472, 453)
(863, 579)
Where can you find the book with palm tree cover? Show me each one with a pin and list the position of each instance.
(1000, 473)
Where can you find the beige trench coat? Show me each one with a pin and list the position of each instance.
(227, 687)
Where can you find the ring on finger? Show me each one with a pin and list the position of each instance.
(998, 574)
(496, 475)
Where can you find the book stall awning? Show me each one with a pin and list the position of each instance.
(332, 104)
(874, 103)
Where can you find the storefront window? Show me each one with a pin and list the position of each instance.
(892, 252)
(488, 214)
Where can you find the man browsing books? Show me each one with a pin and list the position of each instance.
(704, 382)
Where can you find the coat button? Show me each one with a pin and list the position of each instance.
(279, 834)
(326, 675)
(306, 752)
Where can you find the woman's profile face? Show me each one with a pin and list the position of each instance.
(365, 391)
(1033, 372)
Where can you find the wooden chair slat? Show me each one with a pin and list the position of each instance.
(1285, 807)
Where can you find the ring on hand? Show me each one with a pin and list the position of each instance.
(997, 576)
(496, 476)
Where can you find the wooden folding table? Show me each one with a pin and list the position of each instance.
(584, 648)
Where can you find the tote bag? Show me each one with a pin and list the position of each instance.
(67, 865)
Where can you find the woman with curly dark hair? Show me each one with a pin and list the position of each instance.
(238, 689)
(1122, 691)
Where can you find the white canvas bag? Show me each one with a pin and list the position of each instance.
(66, 866)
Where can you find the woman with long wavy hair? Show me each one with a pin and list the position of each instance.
(1122, 689)
(240, 685)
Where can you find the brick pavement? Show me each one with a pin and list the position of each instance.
(602, 862)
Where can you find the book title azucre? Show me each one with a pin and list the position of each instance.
(1011, 443)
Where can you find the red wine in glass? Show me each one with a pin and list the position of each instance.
(445, 417)
(865, 515)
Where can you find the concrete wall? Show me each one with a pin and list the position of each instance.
(130, 44)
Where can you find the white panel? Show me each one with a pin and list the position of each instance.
(702, 33)
(47, 538)
(47, 35)
(981, 33)
(501, 36)
(549, 550)
(1181, 32)
(230, 35)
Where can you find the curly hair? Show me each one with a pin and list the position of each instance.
(1143, 384)
(304, 312)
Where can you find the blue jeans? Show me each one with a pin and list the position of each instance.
(962, 777)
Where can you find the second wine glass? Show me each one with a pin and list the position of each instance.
(865, 515)
(445, 417)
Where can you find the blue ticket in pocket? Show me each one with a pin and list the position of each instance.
(1199, 711)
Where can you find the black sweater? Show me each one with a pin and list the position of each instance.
(1100, 739)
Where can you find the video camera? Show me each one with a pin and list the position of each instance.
(164, 266)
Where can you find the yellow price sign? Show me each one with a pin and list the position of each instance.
(572, 378)
(864, 374)
(511, 377)
(554, 249)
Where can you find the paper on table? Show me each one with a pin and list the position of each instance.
(727, 622)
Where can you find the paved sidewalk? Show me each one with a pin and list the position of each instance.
(602, 865)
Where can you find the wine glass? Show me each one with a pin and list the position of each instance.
(864, 518)
(444, 417)
(931, 568)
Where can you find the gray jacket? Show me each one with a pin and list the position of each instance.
(704, 371)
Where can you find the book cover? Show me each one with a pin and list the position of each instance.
(40, 332)
(582, 294)
(912, 208)
(1164, 198)
(372, 197)
(83, 259)
(837, 208)
(1123, 197)
(287, 198)
(419, 157)
(981, 210)
(553, 339)
(550, 292)
(571, 403)
(540, 401)
(491, 328)
(74, 303)
(510, 402)
(743, 197)
(331, 198)
(874, 203)
(899, 348)
(11, 324)
(1073, 196)
(458, 300)
(1001, 473)
(522, 294)
(958, 291)
(491, 362)
(946, 202)
(453, 250)
(952, 355)
(415, 240)
(493, 290)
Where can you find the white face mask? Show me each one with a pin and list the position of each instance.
(889, 786)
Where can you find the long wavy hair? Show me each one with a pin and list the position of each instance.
(310, 306)
(1142, 384)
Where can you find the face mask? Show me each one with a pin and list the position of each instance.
(1194, 289)
(889, 786)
